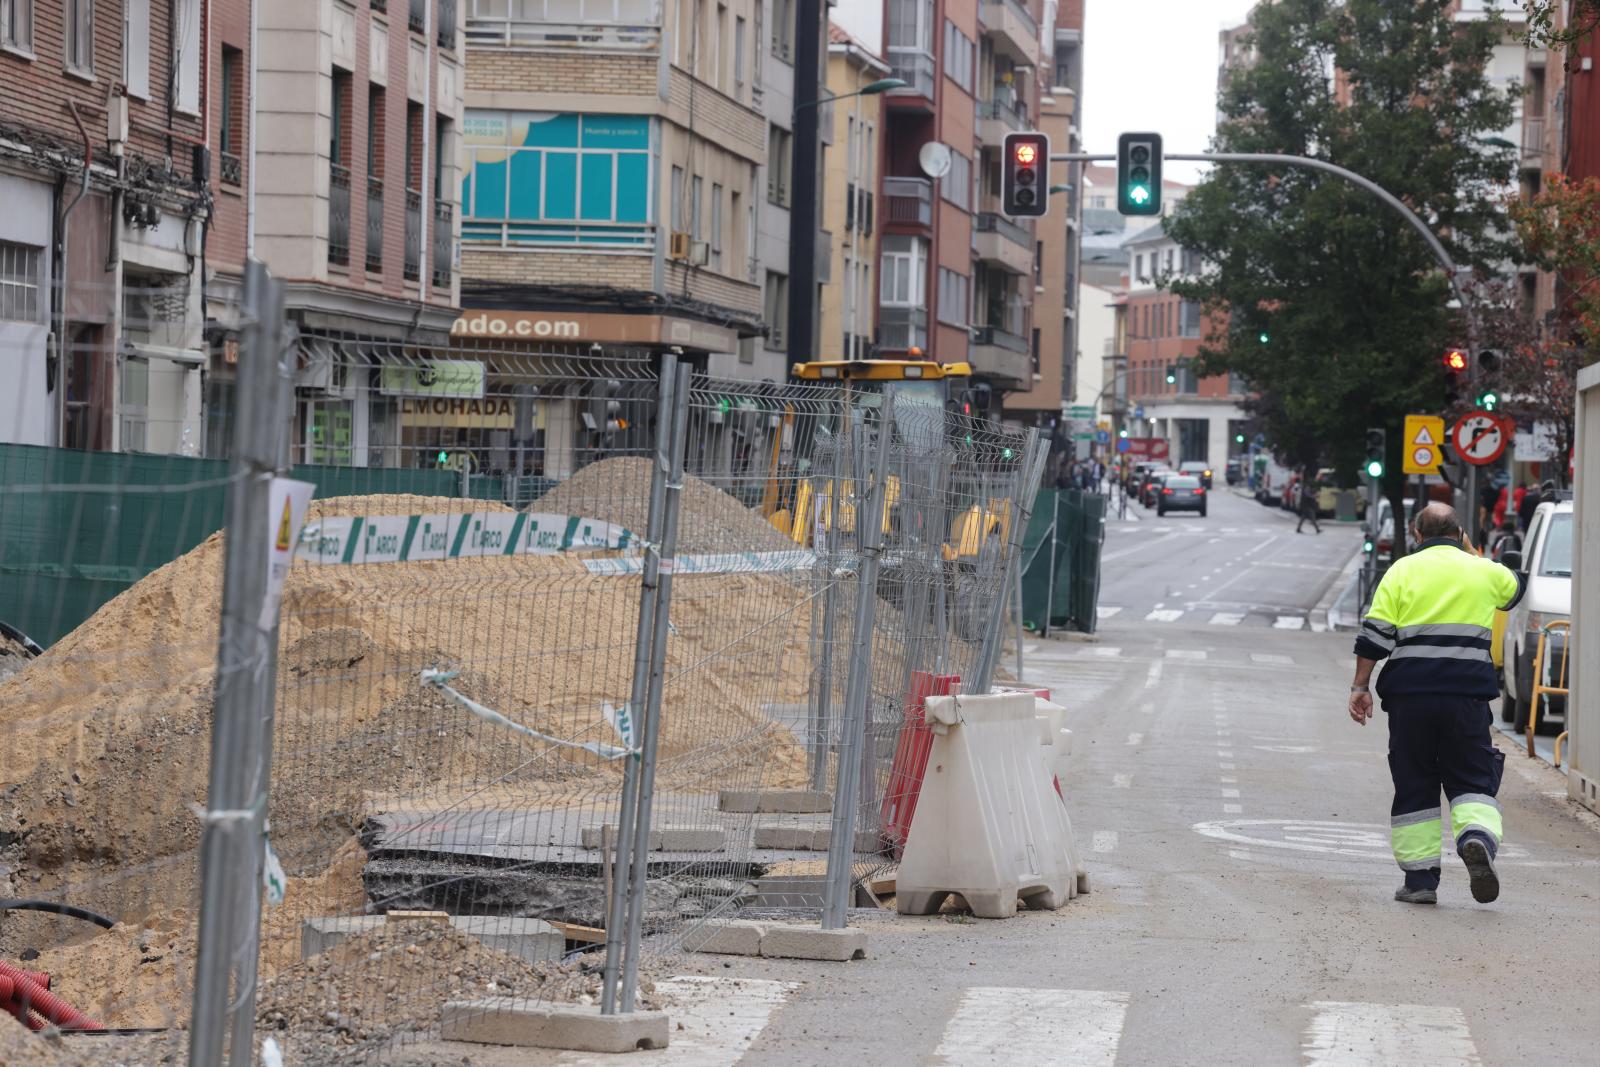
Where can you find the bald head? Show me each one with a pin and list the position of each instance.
(1437, 520)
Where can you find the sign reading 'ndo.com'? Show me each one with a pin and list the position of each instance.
(403, 538)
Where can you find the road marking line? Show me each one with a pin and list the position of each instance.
(1077, 1026)
(1225, 766)
(1153, 677)
(1125, 781)
(1104, 840)
(1228, 779)
(1106, 650)
(1101, 611)
(1230, 794)
(1164, 615)
(1227, 618)
(1269, 657)
(1240, 854)
(1232, 809)
(1224, 753)
(1134, 739)
(715, 1021)
(1290, 622)
(1185, 653)
(1346, 1034)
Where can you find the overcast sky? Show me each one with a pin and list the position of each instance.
(1152, 65)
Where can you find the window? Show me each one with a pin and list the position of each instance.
(911, 25)
(442, 154)
(16, 24)
(956, 186)
(339, 124)
(902, 282)
(719, 34)
(1189, 319)
(738, 55)
(78, 30)
(716, 226)
(1138, 267)
(186, 55)
(375, 141)
(1169, 260)
(953, 297)
(136, 48)
(778, 156)
(697, 39)
(960, 56)
(19, 282)
(775, 307)
(695, 189)
(783, 29)
(230, 136)
(677, 199)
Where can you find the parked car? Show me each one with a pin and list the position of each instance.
(1234, 472)
(1546, 566)
(1196, 469)
(1328, 490)
(1181, 492)
(1152, 485)
(1384, 547)
(1136, 473)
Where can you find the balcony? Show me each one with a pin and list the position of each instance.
(447, 24)
(996, 118)
(909, 201)
(444, 236)
(417, 19)
(914, 67)
(626, 26)
(339, 215)
(1000, 354)
(900, 328)
(998, 240)
(232, 168)
(1533, 144)
(1012, 29)
(374, 225)
(413, 266)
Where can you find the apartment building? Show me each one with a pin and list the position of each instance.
(850, 200)
(1162, 334)
(104, 178)
(1053, 343)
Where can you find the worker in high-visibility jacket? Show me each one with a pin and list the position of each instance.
(1431, 618)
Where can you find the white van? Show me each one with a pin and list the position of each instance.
(1546, 565)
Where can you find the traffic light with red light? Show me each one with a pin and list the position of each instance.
(1025, 174)
(1455, 369)
(1455, 360)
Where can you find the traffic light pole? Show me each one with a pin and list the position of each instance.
(1468, 511)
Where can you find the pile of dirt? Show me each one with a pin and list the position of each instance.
(618, 490)
(396, 979)
(108, 734)
(24, 1048)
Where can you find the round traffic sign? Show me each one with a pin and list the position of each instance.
(1422, 456)
(1479, 438)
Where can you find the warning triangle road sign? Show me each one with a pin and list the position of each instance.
(1423, 437)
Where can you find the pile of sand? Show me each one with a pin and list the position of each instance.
(396, 979)
(107, 736)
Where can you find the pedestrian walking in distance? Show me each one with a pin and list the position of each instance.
(1308, 504)
(1431, 618)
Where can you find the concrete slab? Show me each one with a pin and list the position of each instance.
(579, 1027)
(790, 891)
(785, 837)
(668, 838)
(530, 939)
(753, 801)
(813, 943)
(741, 937)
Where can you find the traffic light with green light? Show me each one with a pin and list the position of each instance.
(1487, 400)
(1238, 438)
(1377, 444)
(1263, 337)
(1139, 174)
(444, 458)
(1172, 374)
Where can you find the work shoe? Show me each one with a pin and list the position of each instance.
(1406, 895)
(1480, 868)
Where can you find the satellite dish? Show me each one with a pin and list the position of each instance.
(934, 158)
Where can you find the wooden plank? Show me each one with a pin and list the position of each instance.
(574, 932)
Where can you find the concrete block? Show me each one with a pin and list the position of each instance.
(797, 801)
(741, 937)
(530, 939)
(318, 935)
(691, 839)
(796, 891)
(866, 841)
(590, 837)
(785, 837)
(579, 1027)
(813, 943)
(400, 916)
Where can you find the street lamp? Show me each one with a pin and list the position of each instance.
(882, 85)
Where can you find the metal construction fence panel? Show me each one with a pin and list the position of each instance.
(1061, 560)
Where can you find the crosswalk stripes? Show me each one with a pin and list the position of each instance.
(1164, 615)
(714, 1021)
(1268, 657)
(995, 1024)
(1101, 611)
(1353, 1034)
(1290, 622)
(1227, 618)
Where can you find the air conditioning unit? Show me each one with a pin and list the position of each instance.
(679, 246)
(699, 253)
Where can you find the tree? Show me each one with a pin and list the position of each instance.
(1544, 26)
(1337, 310)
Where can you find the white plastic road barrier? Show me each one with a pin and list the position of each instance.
(989, 823)
(1055, 737)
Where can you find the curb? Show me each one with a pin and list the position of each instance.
(1335, 589)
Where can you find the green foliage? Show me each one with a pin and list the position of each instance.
(1543, 26)
(1351, 299)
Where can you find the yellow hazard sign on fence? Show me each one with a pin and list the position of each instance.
(1424, 448)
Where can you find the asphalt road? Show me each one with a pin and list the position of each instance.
(1235, 823)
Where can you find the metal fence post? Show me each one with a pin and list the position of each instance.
(1029, 471)
(858, 686)
(667, 419)
(652, 717)
(828, 560)
(231, 838)
(1050, 586)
